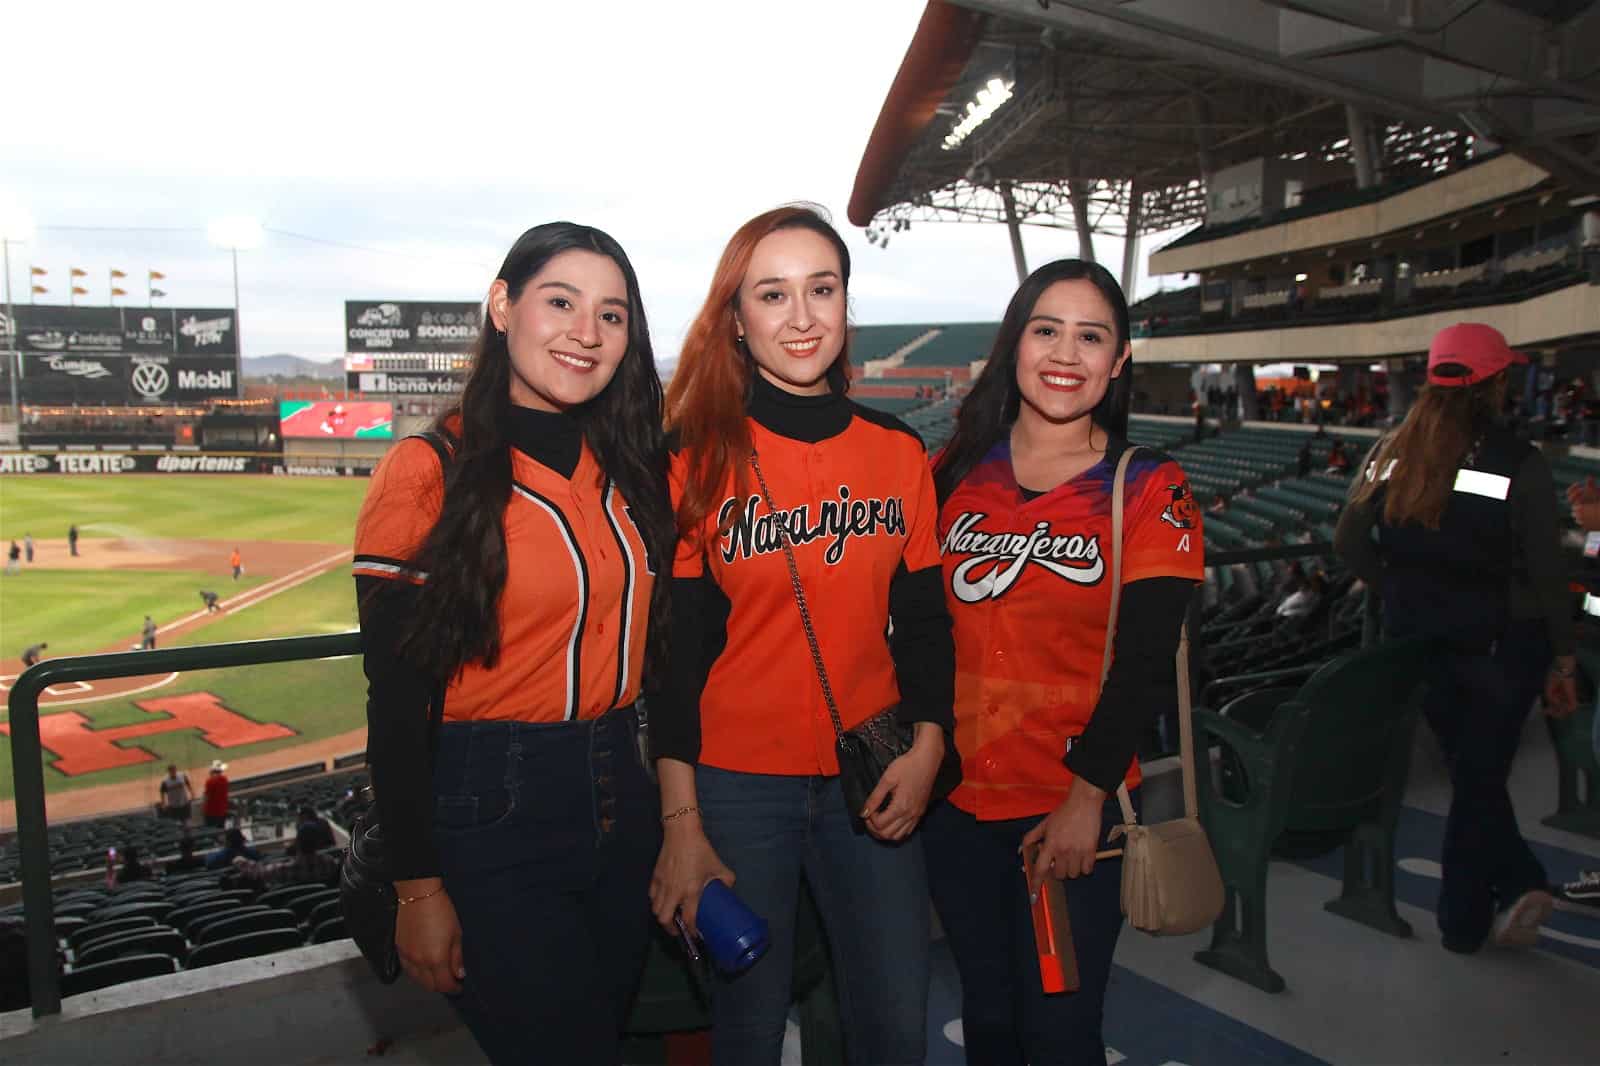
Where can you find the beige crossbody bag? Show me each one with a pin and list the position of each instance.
(1170, 882)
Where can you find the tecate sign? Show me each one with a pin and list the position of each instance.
(95, 464)
(24, 464)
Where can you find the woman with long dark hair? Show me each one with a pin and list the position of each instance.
(505, 565)
(773, 458)
(1453, 521)
(1025, 515)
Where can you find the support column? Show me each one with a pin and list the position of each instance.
(1130, 247)
(1244, 379)
(1079, 195)
(1355, 124)
(1014, 228)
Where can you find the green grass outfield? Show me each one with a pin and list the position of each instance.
(316, 699)
(186, 506)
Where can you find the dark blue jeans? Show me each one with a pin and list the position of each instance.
(547, 834)
(1476, 706)
(975, 876)
(873, 898)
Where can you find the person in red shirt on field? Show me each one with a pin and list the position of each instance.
(215, 805)
(1025, 518)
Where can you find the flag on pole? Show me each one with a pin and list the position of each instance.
(78, 272)
(117, 273)
(37, 272)
(118, 292)
(156, 275)
(40, 290)
(154, 293)
(78, 290)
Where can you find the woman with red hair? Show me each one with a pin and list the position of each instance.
(806, 522)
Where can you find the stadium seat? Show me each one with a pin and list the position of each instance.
(1577, 772)
(282, 897)
(1301, 776)
(331, 929)
(114, 972)
(186, 916)
(198, 926)
(247, 946)
(256, 921)
(155, 908)
(304, 904)
(97, 930)
(325, 909)
(159, 940)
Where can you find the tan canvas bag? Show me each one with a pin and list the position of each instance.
(1170, 882)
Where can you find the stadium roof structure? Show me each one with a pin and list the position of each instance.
(1108, 116)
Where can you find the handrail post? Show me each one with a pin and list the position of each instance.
(27, 775)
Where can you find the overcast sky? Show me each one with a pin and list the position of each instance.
(413, 143)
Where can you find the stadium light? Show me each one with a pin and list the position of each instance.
(996, 91)
(234, 233)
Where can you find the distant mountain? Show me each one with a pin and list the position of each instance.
(284, 365)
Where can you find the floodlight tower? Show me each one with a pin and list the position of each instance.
(16, 227)
(234, 233)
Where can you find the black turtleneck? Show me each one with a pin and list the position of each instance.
(804, 418)
(920, 645)
(551, 438)
(398, 745)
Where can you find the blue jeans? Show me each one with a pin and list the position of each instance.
(975, 875)
(873, 898)
(547, 834)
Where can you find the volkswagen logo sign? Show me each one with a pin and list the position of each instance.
(150, 380)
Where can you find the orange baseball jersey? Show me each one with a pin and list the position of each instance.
(1029, 587)
(861, 509)
(577, 594)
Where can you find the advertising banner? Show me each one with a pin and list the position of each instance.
(206, 331)
(389, 382)
(335, 420)
(148, 330)
(64, 378)
(410, 326)
(168, 379)
(47, 328)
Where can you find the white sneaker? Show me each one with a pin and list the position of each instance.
(1518, 925)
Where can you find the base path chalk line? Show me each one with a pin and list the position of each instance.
(262, 592)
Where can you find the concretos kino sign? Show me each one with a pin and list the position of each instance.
(410, 326)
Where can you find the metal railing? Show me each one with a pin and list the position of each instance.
(27, 763)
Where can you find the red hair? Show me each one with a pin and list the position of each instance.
(705, 403)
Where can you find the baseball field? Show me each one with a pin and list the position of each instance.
(150, 545)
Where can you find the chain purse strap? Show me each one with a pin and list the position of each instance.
(799, 598)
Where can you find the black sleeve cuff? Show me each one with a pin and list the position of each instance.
(923, 647)
(674, 704)
(399, 749)
(1142, 682)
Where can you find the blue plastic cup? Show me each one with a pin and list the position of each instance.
(734, 935)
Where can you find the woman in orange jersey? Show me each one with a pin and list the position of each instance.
(1025, 490)
(744, 735)
(506, 570)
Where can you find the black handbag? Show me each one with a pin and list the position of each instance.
(865, 751)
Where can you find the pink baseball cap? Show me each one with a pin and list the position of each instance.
(1467, 353)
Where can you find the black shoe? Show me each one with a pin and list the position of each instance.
(1585, 890)
(1461, 945)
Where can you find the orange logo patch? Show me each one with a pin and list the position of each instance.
(81, 749)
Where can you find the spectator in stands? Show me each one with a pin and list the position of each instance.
(234, 846)
(215, 806)
(1303, 598)
(522, 842)
(303, 864)
(1455, 524)
(132, 868)
(313, 831)
(1338, 458)
(1303, 459)
(1584, 499)
(763, 375)
(1034, 452)
(187, 860)
(176, 795)
(33, 653)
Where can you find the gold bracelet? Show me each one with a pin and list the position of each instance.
(403, 900)
(679, 813)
